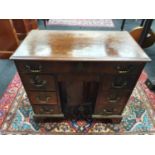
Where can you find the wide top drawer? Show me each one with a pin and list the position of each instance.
(85, 67)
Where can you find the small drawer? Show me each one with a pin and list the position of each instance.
(43, 97)
(38, 82)
(111, 102)
(36, 67)
(119, 82)
(46, 109)
(122, 68)
(29, 67)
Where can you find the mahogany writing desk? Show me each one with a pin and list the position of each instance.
(79, 74)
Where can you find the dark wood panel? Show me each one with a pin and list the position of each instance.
(122, 68)
(42, 97)
(78, 98)
(111, 102)
(38, 82)
(46, 109)
(118, 82)
(74, 92)
(79, 77)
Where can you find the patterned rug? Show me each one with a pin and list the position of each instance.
(81, 22)
(16, 115)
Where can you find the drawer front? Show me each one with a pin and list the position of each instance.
(111, 102)
(43, 97)
(46, 109)
(119, 82)
(43, 67)
(38, 82)
(84, 67)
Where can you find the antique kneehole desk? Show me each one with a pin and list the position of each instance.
(79, 74)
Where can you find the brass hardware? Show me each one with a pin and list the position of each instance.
(123, 69)
(119, 82)
(109, 111)
(119, 86)
(46, 109)
(40, 84)
(33, 69)
(37, 82)
(41, 100)
(113, 98)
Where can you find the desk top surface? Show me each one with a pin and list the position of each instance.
(79, 46)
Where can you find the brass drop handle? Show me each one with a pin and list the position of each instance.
(43, 101)
(33, 69)
(123, 70)
(37, 82)
(119, 86)
(109, 111)
(46, 109)
(40, 84)
(112, 99)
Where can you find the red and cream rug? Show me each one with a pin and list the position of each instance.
(81, 22)
(16, 115)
